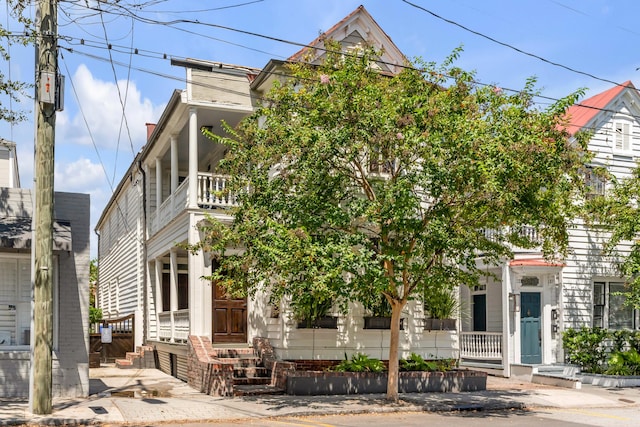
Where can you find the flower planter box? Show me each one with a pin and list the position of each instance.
(440, 324)
(324, 322)
(334, 383)
(377, 322)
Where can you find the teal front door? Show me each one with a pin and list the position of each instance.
(530, 331)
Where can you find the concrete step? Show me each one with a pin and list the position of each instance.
(557, 370)
(556, 381)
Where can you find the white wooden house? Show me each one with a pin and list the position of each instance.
(168, 189)
(517, 318)
(70, 358)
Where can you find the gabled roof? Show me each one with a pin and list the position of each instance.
(361, 22)
(581, 114)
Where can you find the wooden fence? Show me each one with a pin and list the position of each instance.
(122, 338)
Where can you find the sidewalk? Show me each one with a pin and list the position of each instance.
(150, 396)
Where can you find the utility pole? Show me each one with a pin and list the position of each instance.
(41, 377)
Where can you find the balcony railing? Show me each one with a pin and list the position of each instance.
(170, 208)
(213, 191)
(527, 232)
(481, 345)
(173, 326)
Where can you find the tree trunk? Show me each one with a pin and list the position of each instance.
(392, 383)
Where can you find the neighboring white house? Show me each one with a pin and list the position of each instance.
(519, 318)
(168, 189)
(71, 286)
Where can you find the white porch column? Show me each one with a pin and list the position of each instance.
(158, 299)
(174, 163)
(199, 289)
(193, 157)
(506, 320)
(173, 284)
(158, 182)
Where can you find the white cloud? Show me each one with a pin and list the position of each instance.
(98, 119)
(79, 176)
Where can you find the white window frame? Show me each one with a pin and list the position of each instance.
(603, 301)
(596, 185)
(622, 135)
(28, 304)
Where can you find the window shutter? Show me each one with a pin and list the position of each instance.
(622, 136)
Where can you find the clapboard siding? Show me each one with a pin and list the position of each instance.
(120, 268)
(222, 87)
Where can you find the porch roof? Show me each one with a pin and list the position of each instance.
(535, 263)
(15, 233)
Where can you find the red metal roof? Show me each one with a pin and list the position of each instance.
(534, 263)
(580, 114)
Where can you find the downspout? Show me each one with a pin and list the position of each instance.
(145, 307)
(97, 301)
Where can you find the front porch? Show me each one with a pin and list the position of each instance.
(483, 351)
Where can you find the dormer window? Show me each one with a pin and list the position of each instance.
(622, 134)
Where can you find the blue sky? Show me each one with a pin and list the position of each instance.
(594, 41)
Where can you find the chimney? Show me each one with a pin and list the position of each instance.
(150, 128)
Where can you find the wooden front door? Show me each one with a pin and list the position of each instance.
(229, 317)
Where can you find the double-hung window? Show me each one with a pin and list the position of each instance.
(609, 311)
(595, 182)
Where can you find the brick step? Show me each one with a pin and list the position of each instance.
(256, 390)
(124, 364)
(131, 355)
(239, 362)
(251, 372)
(233, 352)
(243, 381)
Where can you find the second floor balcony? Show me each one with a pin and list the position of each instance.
(211, 193)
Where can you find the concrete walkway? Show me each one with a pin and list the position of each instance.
(150, 396)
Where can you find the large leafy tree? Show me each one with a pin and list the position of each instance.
(12, 89)
(364, 185)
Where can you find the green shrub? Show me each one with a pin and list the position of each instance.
(624, 363)
(360, 363)
(95, 315)
(415, 362)
(585, 348)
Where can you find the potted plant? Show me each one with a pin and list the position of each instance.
(442, 306)
(313, 312)
(379, 313)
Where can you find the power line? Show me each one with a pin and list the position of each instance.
(279, 74)
(532, 55)
(95, 146)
